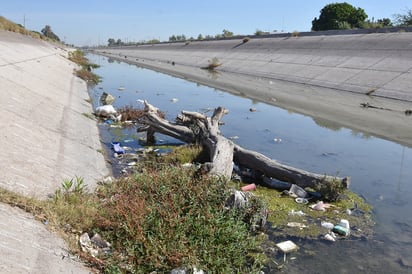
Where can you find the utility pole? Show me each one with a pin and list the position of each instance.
(24, 21)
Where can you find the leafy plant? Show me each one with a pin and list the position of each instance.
(246, 39)
(167, 217)
(338, 16)
(213, 64)
(85, 72)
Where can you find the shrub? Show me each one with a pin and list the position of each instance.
(213, 64)
(246, 39)
(85, 72)
(167, 217)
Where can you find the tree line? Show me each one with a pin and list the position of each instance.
(335, 16)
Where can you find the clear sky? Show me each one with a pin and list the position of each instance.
(90, 22)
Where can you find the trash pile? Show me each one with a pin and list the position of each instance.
(303, 213)
(106, 110)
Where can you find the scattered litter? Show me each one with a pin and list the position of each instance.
(106, 98)
(342, 228)
(187, 165)
(296, 191)
(277, 140)
(249, 187)
(105, 111)
(120, 89)
(321, 206)
(276, 184)
(297, 213)
(117, 148)
(344, 223)
(234, 137)
(95, 245)
(329, 237)
(295, 224)
(343, 231)
(301, 200)
(287, 246)
(174, 100)
(327, 225)
(252, 109)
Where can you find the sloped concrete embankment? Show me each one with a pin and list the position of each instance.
(45, 138)
(326, 77)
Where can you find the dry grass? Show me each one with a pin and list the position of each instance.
(8, 25)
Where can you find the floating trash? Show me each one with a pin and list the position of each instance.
(327, 225)
(329, 237)
(117, 148)
(287, 246)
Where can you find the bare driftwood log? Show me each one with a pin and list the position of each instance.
(273, 169)
(194, 127)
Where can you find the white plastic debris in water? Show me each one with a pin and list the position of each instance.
(329, 237)
(287, 246)
(105, 111)
(344, 223)
(327, 225)
(174, 100)
(120, 89)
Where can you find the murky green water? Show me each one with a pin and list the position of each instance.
(381, 170)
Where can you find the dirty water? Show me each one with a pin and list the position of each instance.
(380, 170)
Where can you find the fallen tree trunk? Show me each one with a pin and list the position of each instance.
(194, 127)
(273, 169)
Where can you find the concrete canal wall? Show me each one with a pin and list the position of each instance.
(327, 77)
(45, 138)
(377, 63)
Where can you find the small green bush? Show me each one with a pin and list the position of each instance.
(167, 217)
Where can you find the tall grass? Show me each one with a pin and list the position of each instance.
(85, 72)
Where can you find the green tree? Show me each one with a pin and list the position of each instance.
(403, 19)
(258, 32)
(227, 33)
(339, 16)
(47, 31)
(111, 42)
(200, 37)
